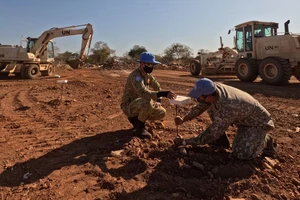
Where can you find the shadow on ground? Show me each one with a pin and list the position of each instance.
(90, 149)
(167, 180)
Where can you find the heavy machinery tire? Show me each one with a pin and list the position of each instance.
(275, 71)
(49, 72)
(195, 67)
(296, 72)
(246, 69)
(32, 71)
(23, 72)
(4, 74)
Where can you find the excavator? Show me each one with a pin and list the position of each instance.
(38, 55)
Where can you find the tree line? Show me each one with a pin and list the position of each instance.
(101, 53)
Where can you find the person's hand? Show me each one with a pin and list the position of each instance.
(171, 95)
(157, 105)
(178, 120)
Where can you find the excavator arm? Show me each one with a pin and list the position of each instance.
(41, 42)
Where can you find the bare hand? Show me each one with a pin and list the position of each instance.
(178, 120)
(171, 95)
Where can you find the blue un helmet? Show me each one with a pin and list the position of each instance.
(148, 57)
(203, 86)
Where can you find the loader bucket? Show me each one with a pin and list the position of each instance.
(75, 64)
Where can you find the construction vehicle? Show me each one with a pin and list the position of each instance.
(263, 51)
(221, 61)
(38, 55)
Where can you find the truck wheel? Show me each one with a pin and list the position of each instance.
(23, 72)
(296, 72)
(32, 71)
(275, 71)
(49, 72)
(4, 74)
(195, 67)
(246, 69)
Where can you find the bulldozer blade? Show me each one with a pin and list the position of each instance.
(75, 64)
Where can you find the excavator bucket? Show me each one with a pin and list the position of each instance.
(75, 64)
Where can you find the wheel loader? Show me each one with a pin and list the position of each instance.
(38, 55)
(263, 51)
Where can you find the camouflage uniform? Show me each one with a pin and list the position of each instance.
(138, 100)
(236, 107)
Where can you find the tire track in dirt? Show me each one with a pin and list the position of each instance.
(80, 110)
(48, 119)
(23, 110)
(286, 108)
(9, 127)
(283, 106)
(15, 128)
(60, 119)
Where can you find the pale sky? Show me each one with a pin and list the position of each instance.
(154, 24)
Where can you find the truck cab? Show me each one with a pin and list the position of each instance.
(48, 55)
(265, 52)
(246, 34)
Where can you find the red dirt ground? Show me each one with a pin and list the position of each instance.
(54, 148)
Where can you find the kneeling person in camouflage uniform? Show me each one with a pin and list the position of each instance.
(226, 106)
(140, 103)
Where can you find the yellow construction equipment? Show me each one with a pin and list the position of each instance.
(38, 55)
(260, 50)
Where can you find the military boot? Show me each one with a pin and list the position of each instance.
(271, 147)
(133, 120)
(222, 141)
(140, 130)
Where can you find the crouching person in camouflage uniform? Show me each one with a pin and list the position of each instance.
(140, 103)
(227, 106)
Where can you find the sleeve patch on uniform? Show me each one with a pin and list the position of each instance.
(218, 121)
(138, 78)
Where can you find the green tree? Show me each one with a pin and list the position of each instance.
(136, 51)
(167, 58)
(101, 53)
(63, 57)
(178, 51)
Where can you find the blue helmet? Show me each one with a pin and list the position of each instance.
(203, 86)
(148, 57)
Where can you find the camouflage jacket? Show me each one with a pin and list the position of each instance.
(137, 86)
(233, 106)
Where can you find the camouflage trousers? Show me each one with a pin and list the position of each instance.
(249, 142)
(144, 109)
